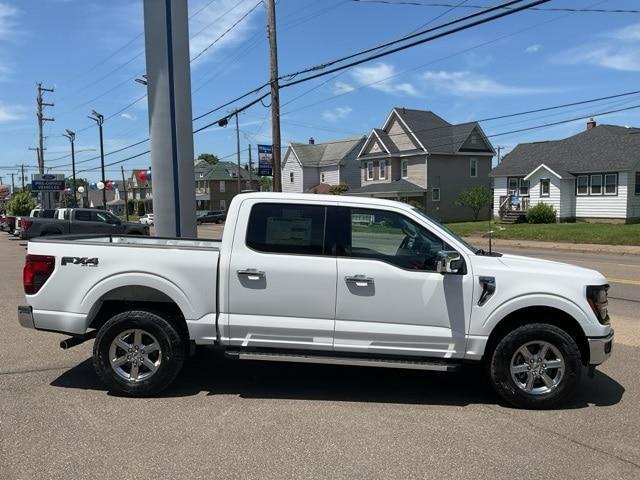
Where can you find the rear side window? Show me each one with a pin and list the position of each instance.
(287, 228)
(83, 216)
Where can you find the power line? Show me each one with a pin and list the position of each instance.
(548, 9)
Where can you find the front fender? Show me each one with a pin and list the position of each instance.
(586, 319)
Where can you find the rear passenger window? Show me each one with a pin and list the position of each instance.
(83, 216)
(287, 228)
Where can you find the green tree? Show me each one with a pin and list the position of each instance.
(266, 183)
(210, 158)
(339, 189)
(476, 198)
(21, 203)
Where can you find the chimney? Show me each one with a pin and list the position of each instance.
(591, 124)
(312, 141)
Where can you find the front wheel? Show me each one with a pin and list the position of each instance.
(536, 366)
(138, 353)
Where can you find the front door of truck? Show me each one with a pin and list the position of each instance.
(282, 277)
(390, 299)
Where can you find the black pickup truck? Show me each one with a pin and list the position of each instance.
(80, 220)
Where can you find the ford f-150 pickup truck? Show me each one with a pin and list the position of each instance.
(321, 279)
(79, 220)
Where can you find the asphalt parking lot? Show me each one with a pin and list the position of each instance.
(275, 421)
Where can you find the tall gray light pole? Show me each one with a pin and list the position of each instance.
(99, 119)
(168, 79)
(71, 135)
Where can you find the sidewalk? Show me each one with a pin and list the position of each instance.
(482, 242)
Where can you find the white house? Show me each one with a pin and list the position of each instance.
(592, 175)
(314, 167)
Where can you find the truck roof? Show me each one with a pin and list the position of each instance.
(326, 198)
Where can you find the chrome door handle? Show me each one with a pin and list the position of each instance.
(252, 273)
(359, 280)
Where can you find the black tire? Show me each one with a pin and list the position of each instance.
(198, 222)
(503, 355)
(171, 359)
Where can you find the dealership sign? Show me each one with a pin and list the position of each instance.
(48, 182)
(265, 158)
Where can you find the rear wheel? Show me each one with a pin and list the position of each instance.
(138, 353)
(536, 366)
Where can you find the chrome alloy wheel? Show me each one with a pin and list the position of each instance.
(537, 367)
(135, 355)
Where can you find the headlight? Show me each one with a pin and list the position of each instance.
(597, 295)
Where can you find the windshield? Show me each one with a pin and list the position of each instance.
(448, 230)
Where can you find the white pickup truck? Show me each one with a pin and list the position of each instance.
(321, 279)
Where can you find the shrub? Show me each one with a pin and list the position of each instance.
(338, 189)
(541, 213)
(21, 203)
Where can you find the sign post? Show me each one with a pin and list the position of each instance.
(265, 160)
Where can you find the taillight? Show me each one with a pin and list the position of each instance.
(26, 224)
(37, 270)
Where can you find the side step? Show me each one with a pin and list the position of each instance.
(434, 365)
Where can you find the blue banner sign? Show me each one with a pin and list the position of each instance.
(265, 160)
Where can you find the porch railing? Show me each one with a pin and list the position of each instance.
(513, 203)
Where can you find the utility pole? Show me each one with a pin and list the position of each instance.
(275, 93)
(238, 149)
(99, 119)
(71, 135)
(22, 175)
(499, 148)
(126, 198)
(13, 185)
(47, 197)
(250, 173)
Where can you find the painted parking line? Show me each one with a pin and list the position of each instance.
(624, 281)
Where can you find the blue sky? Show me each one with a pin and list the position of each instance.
(528, 60)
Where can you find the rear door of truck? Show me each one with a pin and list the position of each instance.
(282, 276)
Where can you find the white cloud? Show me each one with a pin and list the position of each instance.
(338, 113)
(379, 76)
(533, 48)
(11, 113)
(212, 22)
(469, 84)
(128, 116)
(615, 50)
(7, 20)
(342, 87)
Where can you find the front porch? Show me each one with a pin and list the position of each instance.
(513, 208)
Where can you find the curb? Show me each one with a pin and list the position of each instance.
(557, 246)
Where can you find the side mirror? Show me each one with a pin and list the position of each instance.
(449, 261)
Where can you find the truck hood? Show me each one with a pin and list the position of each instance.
(537, 266)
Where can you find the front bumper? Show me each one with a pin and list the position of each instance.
(600, 349)
(25, 316)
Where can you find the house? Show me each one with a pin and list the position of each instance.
(140, 192)
(221, 182)
(592, 175)
(418, 157)
(313, 167)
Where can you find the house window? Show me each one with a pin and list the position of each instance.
(291, 177)
(637, 183)
(435, 195)
(404, 167)
(596, 185)
(322, 178)
(473, 167)
(512, 185)
(582, 185)
(383, 169)
(611, 184)
(222, 186)
(524, 187)
(223, 205)
(369, 170)
(544, 187)
(474, 139)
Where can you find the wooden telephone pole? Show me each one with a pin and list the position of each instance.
(275, 94)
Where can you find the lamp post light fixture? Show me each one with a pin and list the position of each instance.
(71, 135)
(99, 119)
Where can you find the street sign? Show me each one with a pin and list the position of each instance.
(265, 160)
(47, 182)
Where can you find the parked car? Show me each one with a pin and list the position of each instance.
(214, 216)
(296, 279)
(8, 223)
(80, 220)
(146, 219)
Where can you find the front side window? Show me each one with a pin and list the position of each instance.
(393, 238)
(473, 167)
(582, 185)
(404, 166)
(222, 186)
(435, 195)
(369, 170)
(596, 185)
(544, 187)
(287, 228)
(611, 184)
(383, 169)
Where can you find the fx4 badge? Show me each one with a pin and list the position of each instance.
(82, 261)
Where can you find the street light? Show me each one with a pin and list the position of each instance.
(99, 119)
(71, 135)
